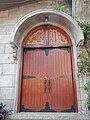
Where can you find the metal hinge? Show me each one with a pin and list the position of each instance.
(65, 76)
(28, 77)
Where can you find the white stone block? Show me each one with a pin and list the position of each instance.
(8, 49)
(83, 95)
(15, 13)
(84, 107)
(6, 29)
(6, 58)
(2, 48)
(0, 69)
(7, 81)
(9, 29)
(8, 21)
(4, 38)
(4, 14)
(2, 29)
(9, 104)
(9, 69)
(7, 93)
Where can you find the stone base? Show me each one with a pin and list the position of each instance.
(47, 116)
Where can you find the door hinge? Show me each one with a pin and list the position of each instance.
(65, 76)
(28, 77)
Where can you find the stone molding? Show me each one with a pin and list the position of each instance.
(15, 50)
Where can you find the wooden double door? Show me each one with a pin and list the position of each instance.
(47, 82)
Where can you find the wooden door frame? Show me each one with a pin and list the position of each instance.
(73, 73)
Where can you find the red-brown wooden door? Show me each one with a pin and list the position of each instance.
(47, 83)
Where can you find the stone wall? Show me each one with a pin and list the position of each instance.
(81, 10)
(82, 94)
(8, 67)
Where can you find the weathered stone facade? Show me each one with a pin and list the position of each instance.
(8, 66)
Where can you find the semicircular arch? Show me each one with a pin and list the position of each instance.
(37, 17)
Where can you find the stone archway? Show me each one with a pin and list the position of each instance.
(37, 18)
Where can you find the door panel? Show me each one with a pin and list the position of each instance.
(60, 96)
(33, 95)
(47, 80)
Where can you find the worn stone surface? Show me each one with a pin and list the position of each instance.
(47, 4)
(6, 29)
(4, 14)
(7, 93)
(2, 48)
(7, 81)
(0, 69)
(6, 58)
(10, 104)
(4, 38)
(8, 49)
(48, 116)
(9, 69)
(82, 10)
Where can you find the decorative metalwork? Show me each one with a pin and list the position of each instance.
(65, 76)
(46, 36)
(56, 38)
(47, 52)
(47, 108)
(29, 77)
(72, 109)
(23, 109)
(37, 38)
(67, 49)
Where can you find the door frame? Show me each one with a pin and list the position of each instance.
(72, 67)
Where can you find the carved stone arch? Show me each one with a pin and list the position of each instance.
(36, 18)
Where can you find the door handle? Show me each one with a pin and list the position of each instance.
(44, 85)
(49, 85)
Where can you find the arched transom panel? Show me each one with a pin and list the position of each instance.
(47, 35)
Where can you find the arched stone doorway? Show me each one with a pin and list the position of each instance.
(36, 18)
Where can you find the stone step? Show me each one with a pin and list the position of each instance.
(47, 116)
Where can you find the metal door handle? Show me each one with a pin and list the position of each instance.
(45, 85)
(49, 84)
